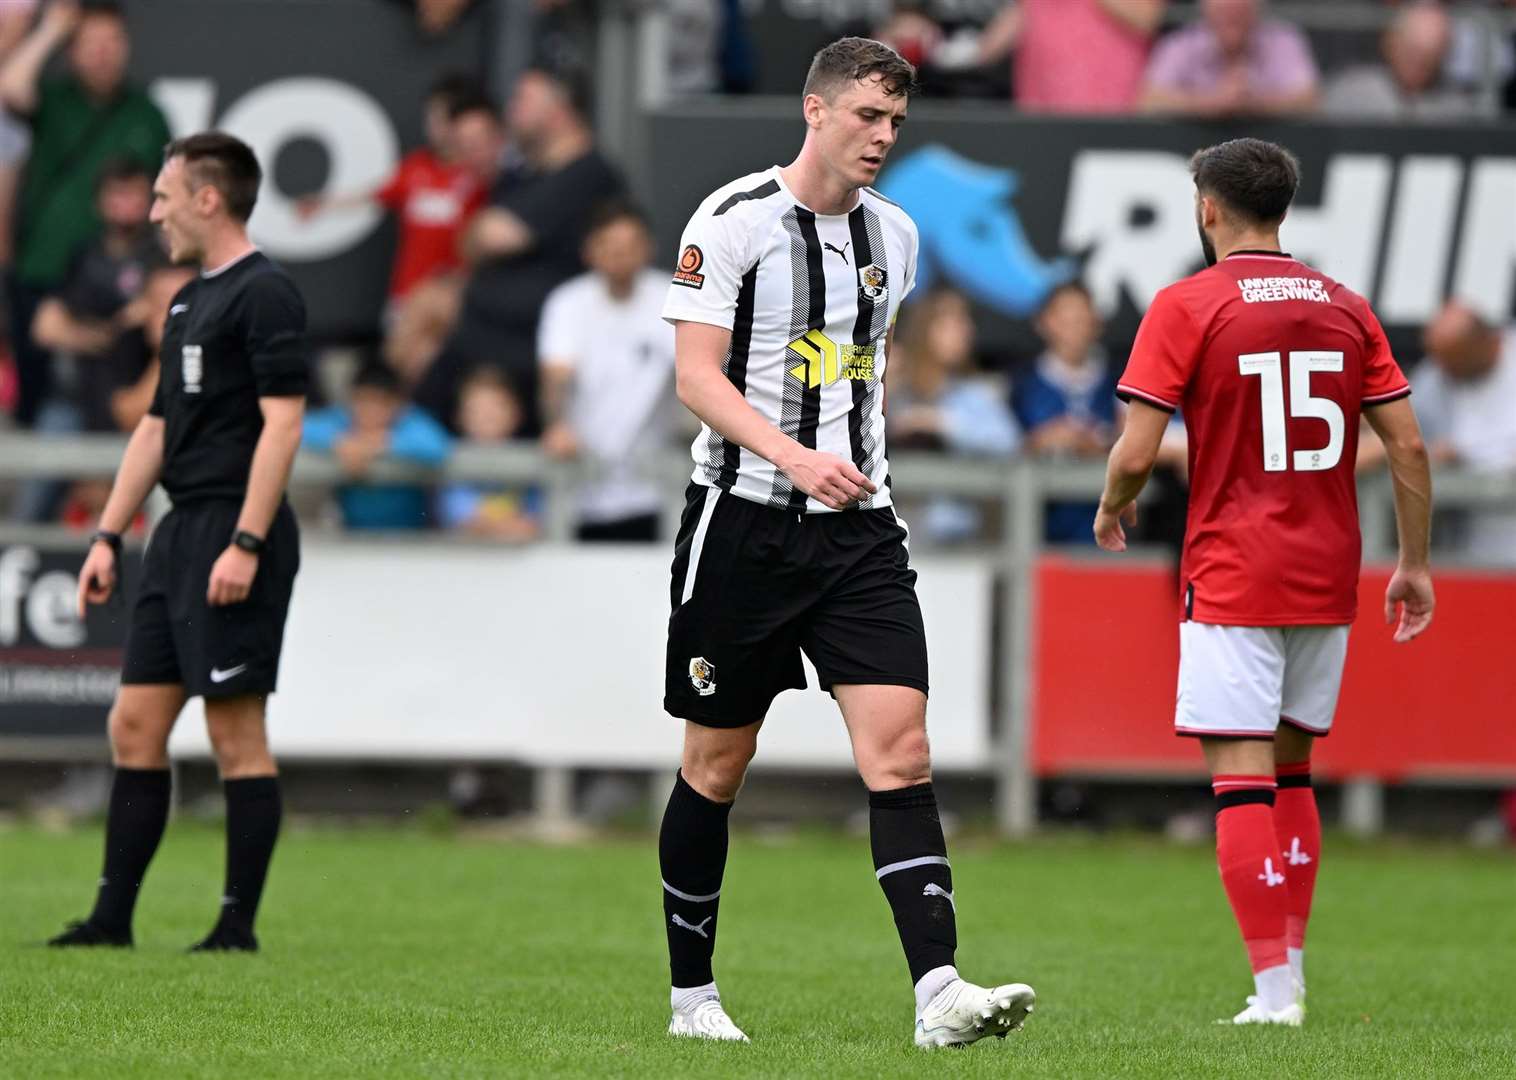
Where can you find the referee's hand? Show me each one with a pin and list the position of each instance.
(231, 577)
(833, 481)
(97, 578)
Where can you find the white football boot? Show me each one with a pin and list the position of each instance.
(1292, 1015)
(705, 1020)
(963, 1013)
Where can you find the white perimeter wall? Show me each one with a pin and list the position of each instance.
(552, 656)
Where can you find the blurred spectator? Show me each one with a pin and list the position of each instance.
(78, 121)
(936, 404)
(910, 31)
(420, 325)
(1411, 83)
(132, 365)
(432, 193)
(15, 136)
(525, 244)
(489, 414)
(435, 17)
(1075, 56)
(1066, 403)
(82, 325)
(1465, 398)
(694, 40)
(607, 368)
(1232, 63)
(377, 423)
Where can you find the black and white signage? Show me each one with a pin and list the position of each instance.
(58, 674)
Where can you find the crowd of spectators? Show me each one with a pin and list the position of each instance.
(1218, 58)
(524, 297)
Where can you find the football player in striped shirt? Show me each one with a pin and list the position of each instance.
(787, 284)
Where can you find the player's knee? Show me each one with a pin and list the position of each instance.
(901, 761)
(139, 740)
(238, 741)
(717, 772)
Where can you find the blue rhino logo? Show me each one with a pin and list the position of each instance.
(971, 235)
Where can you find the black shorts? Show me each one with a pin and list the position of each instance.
(177, 637)
(754, 586)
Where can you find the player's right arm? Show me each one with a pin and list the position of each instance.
(21, 73)
(140, 467)
(702, 305)
(1410, 588)
(705, 390)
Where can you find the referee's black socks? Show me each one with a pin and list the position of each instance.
(253, 812)
(134, 825)
(910, 861)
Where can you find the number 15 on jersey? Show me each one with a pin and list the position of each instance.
(1267, 366)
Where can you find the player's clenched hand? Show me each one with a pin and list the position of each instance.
(232, 577)
(1108, 531)
(1411, 591)
(831, 480)
(97, 578)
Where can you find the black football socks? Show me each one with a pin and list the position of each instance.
(910, 861)
(253, 811)
(134, 825)
(692, 858)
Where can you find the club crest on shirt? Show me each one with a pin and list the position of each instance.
(873, 282)
(192, 368)
(702, 676)
(687, 273)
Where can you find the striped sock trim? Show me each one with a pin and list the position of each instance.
(1294, 774)
(689, 897)
(911, 864)
(1233, 791)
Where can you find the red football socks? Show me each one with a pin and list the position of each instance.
(1298, 827)
(1252, 866)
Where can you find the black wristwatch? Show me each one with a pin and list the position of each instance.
(248, 542)
(105, 536)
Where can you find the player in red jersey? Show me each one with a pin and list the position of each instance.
(1271, 364)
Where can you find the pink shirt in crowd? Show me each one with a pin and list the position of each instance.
(1278, 61)
(1074, 56)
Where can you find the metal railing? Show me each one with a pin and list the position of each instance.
(1020, 490)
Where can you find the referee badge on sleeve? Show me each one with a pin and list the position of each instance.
(702, 676)
(193, 368)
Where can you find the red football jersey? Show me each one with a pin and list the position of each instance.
(434, 201)
(1269, 363)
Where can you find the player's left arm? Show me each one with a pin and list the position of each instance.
(232, 576)
(1130, 464)
(274, 337)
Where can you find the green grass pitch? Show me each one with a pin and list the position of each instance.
(408, 953)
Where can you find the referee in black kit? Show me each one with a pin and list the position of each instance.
(209, 616)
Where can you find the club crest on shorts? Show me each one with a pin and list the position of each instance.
(702, 676)
(873, 282)
(193, 367)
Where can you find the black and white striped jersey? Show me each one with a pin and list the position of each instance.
(809, 299)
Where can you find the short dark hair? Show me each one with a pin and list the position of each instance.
(611, 212)
(111, 8)
(1253, 178)
(376, 375)
(856, 59)
(572, 82)
(473, 103)
(226, 163)
(120, 168)
(1073, 285)
(453, 87)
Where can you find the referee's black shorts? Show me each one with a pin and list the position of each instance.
(176, 636)
(754, 586)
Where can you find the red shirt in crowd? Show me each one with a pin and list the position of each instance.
(1270, 363)
(433, 201)
(1074, 56)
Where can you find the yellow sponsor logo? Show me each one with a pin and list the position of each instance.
(823, 362)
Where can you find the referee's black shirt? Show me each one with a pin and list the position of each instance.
(232, 336)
